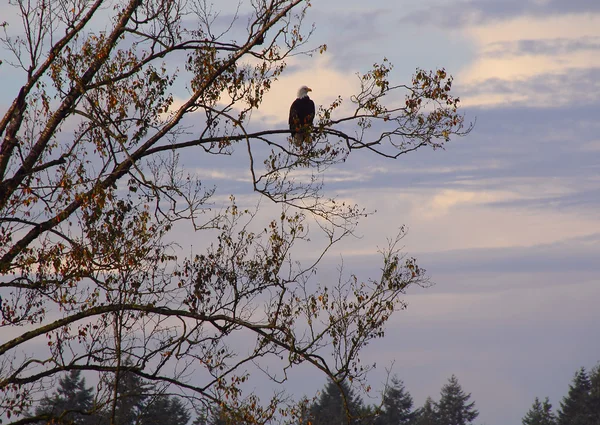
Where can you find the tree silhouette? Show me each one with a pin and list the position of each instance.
(110, 97)
(575, 408)
(72, 403)
(337, 404)
(540, 414)
(397, 406)
(163, 409)
(595, 393)
(453, 407)
(426, 415)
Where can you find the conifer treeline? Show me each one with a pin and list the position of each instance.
(138, 403)
(397, 407)
(337, 404)
(581, 405)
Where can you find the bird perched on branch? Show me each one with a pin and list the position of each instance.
(302, 114)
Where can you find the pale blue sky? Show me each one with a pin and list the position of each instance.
(506, 220)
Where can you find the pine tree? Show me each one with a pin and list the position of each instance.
(135, 406)
(131, 393)
(453, 407)
(397, 405)
(575, 408)
(427, 414)
(162, 409)
(71, 404)
(595, 394)
(202, 418)
(217, 415)
(540, 414)
(330, 409)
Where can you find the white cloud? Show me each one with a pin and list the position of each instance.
(523, 67)
(592, 146)
(526, 66)
(442, 219)
(317, 73)
(536, 28)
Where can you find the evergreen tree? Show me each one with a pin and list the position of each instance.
(427, 414)
(71, 404)
(453, 407)
(201, 419)
(162, 410)
(595, 394)
(217, 415)
(135, 406)
(330, 409)
(540, 414)
(575, 408)
(397, 405)
(132, 391)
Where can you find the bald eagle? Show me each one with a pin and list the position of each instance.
(302, 114)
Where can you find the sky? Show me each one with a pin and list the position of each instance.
(506, 220)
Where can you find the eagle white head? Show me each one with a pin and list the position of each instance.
(303, 91)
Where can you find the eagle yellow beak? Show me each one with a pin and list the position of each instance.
(308, 89)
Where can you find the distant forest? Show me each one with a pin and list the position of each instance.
(73, 403)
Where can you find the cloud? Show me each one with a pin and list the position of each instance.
(578, 199)
(442, 202)
(489, 267)
(592, 146)
(466, 225)
(545, 47)
(532, 149)
(505, 307)
(527, 53)
(526, 67)
(528, 47)
(351, 35)
(317, 73)
(570, 27)
(573, 86)
(481, 12)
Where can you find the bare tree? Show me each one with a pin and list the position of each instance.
(90, 187)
